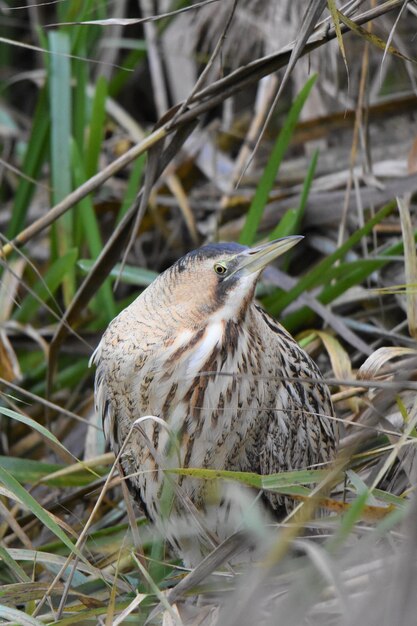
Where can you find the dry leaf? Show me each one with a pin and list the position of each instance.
(338, 356)
(379, 358)
(9, 365)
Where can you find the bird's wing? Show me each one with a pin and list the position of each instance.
(103, 405)
(300, 431)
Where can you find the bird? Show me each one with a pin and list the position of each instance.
(195, 374)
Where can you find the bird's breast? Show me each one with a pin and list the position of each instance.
(176, 368)
(197, 382)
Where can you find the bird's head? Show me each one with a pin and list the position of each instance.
(216, 279)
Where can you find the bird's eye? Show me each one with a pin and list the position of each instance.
(220, 269)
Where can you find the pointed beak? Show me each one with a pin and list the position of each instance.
(255, 259)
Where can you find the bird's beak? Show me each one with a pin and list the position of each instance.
(255, 259)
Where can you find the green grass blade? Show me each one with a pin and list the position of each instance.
(268, 177)
(139, 276)
(81, 615)
(350, 518)
(390, 498)
(287, 225)
(55, 562)
(104, 299)
(34, 157)
(45, 288)
(341, 270)
(28, 421)
(29, 471)
(18, 617)
(308, 181)
(84, 210)
(83, 39)
(360, 486)
(269, 482)
(13, 565)
(393, 519)
(319, 273)
(353, 276)
(61, 116)
(121, 76)
(96, 130)
(29, 501)
(67, 377)
(132, 186)
(61, 109)
(290, 223)
(81, 44)
(80, 75)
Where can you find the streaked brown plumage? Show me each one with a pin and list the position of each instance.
(195, 351)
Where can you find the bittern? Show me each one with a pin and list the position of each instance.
(196, 352)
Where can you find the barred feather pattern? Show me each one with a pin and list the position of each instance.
(236, 392)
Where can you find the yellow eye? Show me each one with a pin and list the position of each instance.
(220, 268)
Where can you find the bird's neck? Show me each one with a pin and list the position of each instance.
(172, 315)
